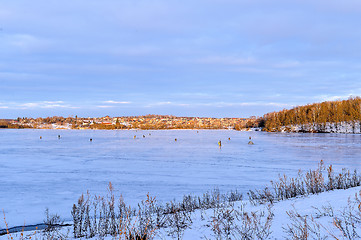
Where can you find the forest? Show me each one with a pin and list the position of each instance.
(316, 114)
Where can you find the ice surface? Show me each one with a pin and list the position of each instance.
(50, 172)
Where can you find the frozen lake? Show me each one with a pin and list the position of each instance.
(50, 172)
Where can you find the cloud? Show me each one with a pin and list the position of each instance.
(40, 105)
(287, 64)
(219, 104)
(324, 98)
(163, 103)
(117, 102)
(22, 42)
(134, 51)
(200, 55)
(104, 106)
(245, 104)
(274, 104)
(157, 104)
(227, 60)
(3, 105)
(60, 104)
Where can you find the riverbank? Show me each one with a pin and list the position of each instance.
(313, 214)
(352, 127)
(308, 206)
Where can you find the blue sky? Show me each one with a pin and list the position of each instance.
(218, 58)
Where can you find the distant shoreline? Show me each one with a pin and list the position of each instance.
(134, 129)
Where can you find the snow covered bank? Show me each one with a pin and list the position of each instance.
(309, 207)
(341, 127)
(312, 205)
(320, 211)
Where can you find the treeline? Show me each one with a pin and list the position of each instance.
(190, 124)
(147, 122)
(252, 122)
(7, 124)
(48, 120)
(318, 114)
(102, 126)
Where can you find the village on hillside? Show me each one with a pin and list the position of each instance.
(133, 122)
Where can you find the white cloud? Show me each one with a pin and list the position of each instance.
(244, 104)
(155, 104)
(334, 98)
(117, 102)
(287, 64)
(220, 104)
(227, 60)
(163, 103)
(104, 106)
(23, 42)
(41, 105)
(134, 50)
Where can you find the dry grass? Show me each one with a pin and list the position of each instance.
(312, 182)
(342, 224)
(103, 215)
(21, 235)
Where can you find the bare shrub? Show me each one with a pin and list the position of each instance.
(223, 222)
(346, 224)
(208, 200)
(237, 223)
(349, 221)
(101, 216)
(312, 182)
(303, 227)
(325, 211)
(147, 221)
(287, 188)
(21, 235)
(177, 221)
(255, 225)
(53, 224)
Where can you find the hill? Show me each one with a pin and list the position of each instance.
(342, 116)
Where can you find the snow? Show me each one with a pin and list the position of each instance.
(305, 206)
(342, 127)
(50, 172)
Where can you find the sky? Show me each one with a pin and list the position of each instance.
(215, 58)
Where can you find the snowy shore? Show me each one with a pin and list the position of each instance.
(319, 210)
(341, 127)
